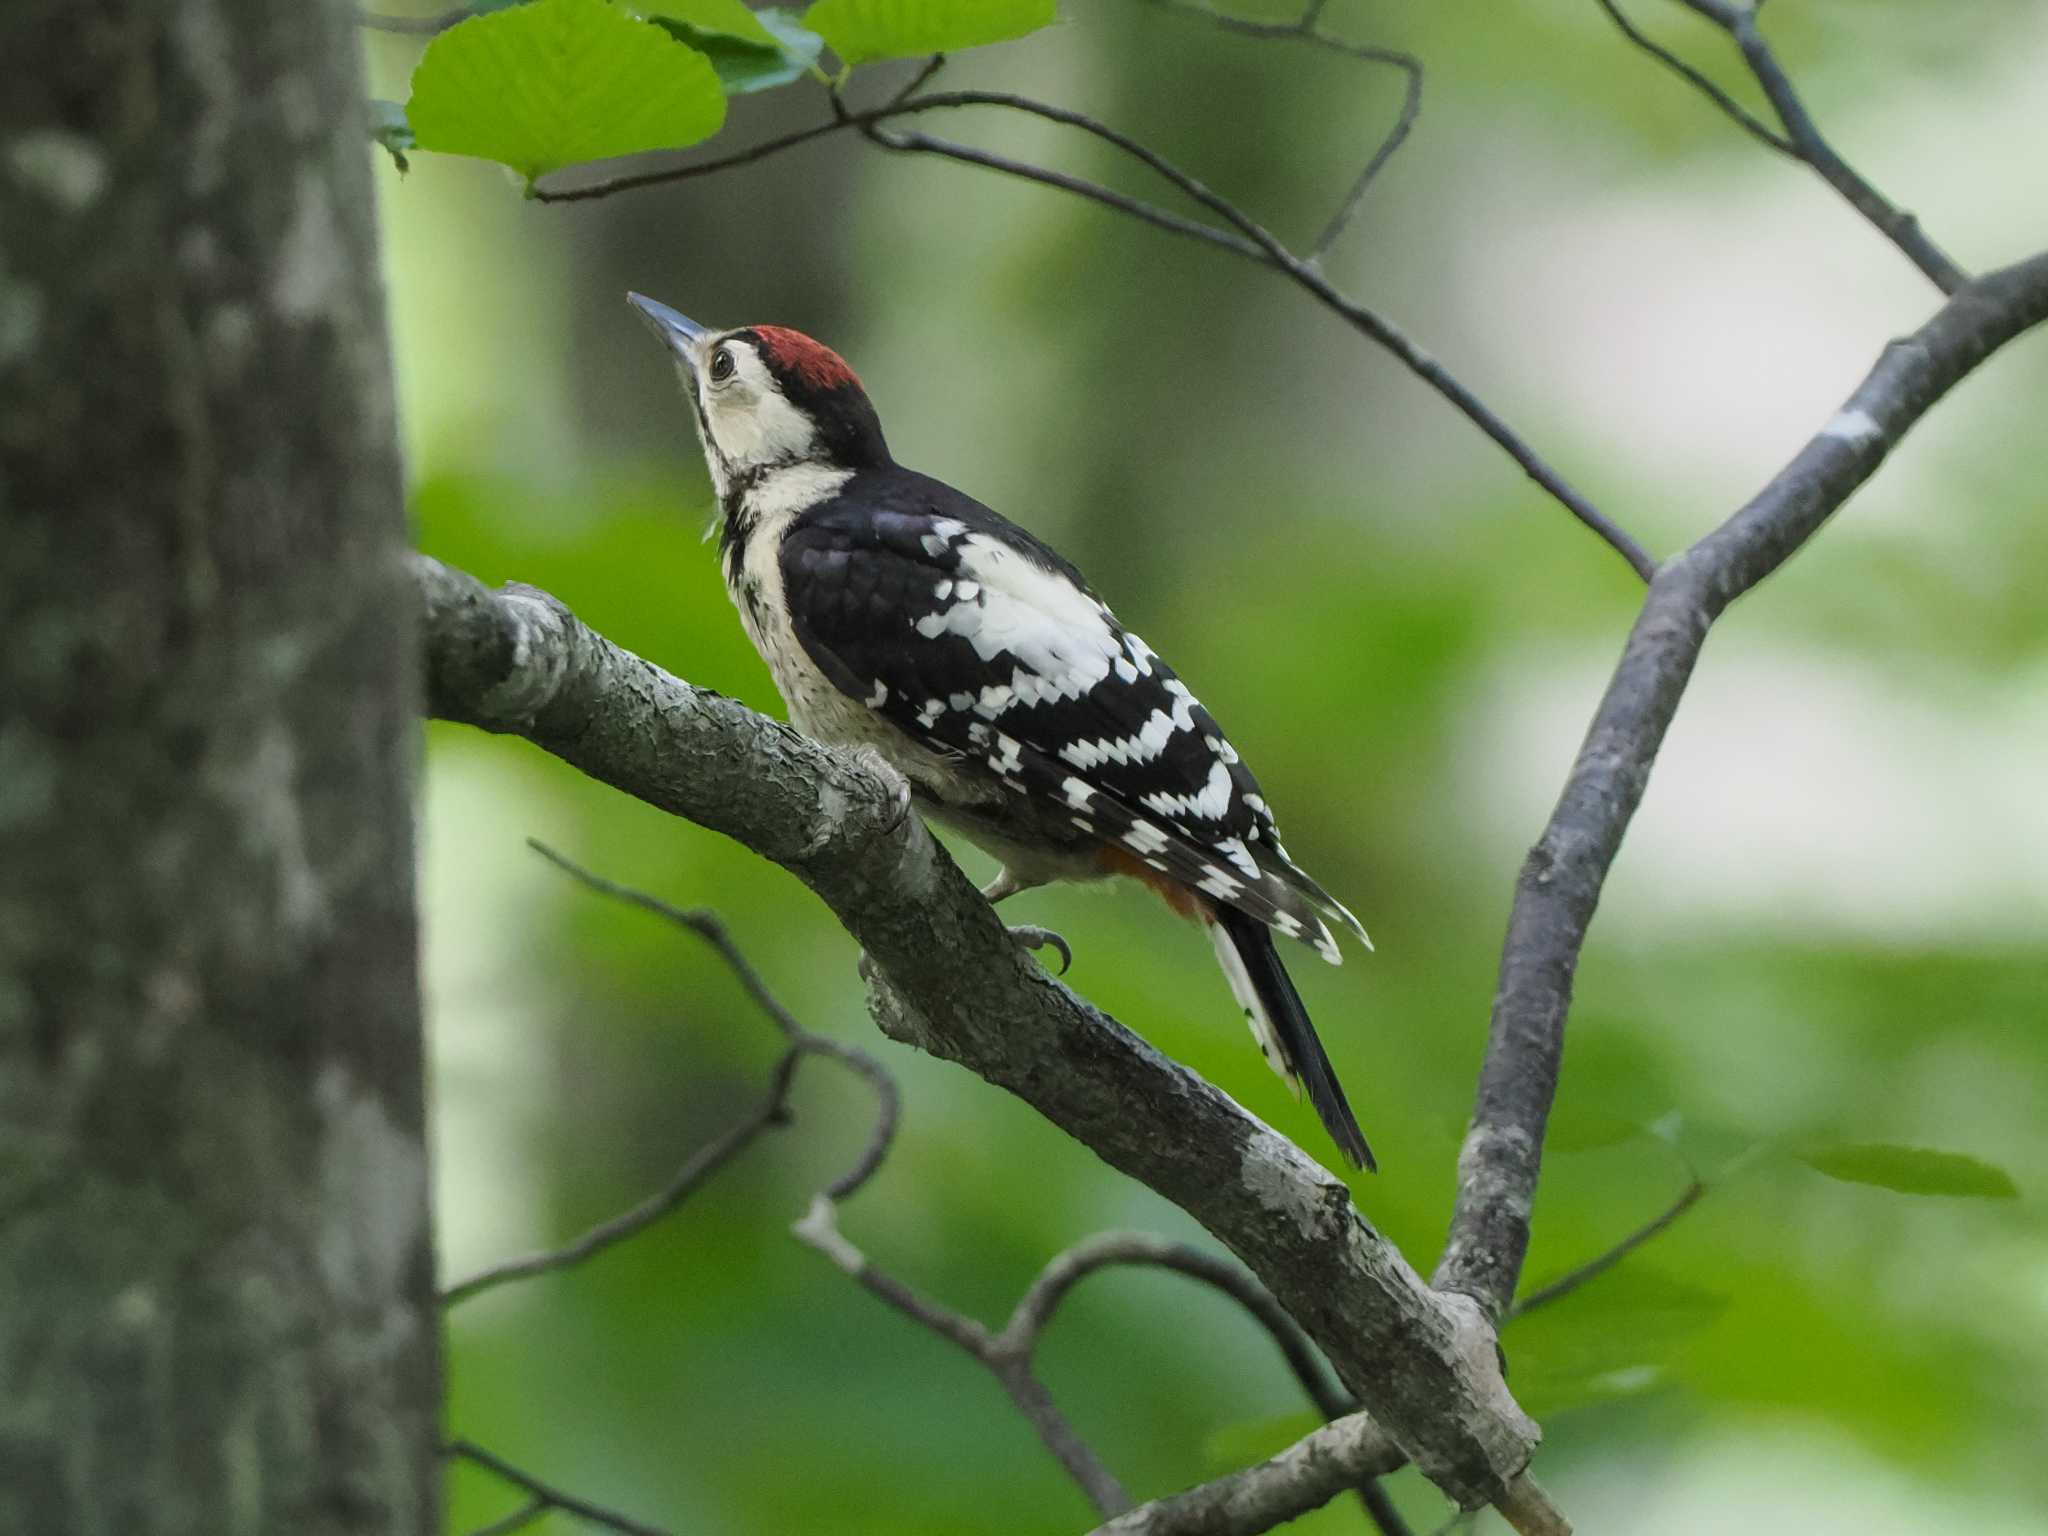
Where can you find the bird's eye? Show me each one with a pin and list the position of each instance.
(721, 366)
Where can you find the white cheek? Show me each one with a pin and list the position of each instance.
(760, 428)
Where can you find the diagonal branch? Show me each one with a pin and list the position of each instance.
(949, 978)
(1561, 881)
(1801, 139)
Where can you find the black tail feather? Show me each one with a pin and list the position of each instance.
(1253, 942)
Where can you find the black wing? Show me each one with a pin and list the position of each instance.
(979, 642)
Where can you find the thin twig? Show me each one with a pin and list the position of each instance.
(546, 1494)
(1035, 1310)
(1246, 238)
(1038, 1304)
(1259, 245)
(1304, 29)
(414, 26)
(773, 1110)
(1801, 139)
(820, 1229)
(1747, 120)
(701, 1165)
(518, 1520)
(1565, 1284)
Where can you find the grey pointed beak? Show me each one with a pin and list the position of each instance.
(680, 332)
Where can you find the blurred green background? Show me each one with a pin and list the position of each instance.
(1828, 922)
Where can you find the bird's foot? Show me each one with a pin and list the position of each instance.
(1031, 936)
(898, 786)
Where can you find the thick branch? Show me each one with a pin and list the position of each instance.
(1560, 883)
(949, 978)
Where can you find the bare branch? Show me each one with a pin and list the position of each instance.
(1565, 1284)
(1255, 243)
(1561, 881)
(949, 978)
(1304, 29)
(545, 1496)
(820, 1230)
(1802, 138)
(414, 26)
(518, 1520)
(1245, 238)
(687, 1181)
(1035, 1310)
(773, 1109)
(1745, 119)
(1305, 1476)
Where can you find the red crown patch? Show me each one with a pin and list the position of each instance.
(816, 364)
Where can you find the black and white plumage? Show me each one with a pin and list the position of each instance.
(897, 613)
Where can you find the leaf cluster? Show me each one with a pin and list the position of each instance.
(537, 85)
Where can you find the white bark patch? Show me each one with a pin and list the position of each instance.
(21, 319)
(68, 170)
(1286, 1182)
(1852, 426)
(267, 787)
(309, 269)
(206, 48)
(373, 1183)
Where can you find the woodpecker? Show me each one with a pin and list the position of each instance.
(900, 615)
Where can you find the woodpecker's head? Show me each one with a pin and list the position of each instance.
(767, 397)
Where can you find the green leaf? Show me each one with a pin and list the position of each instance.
(720, 18)
(744, 66)
(1910, 1170)
(860, 30)
(390, 129)
(1251, 1441)
(558, 82)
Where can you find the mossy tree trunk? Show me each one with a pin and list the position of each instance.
(216, 1308)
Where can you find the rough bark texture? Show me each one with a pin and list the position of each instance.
(949, 978)
(215, 1283)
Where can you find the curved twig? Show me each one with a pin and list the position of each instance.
(1593, 1269)
(1245, 238)
(1802, 139)
(773, 1110)
(1304, 29)
(545, 1496)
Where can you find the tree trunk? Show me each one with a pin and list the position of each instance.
(216, 1310)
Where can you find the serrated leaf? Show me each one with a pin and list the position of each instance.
(390, 129)
(861, 30)
(1910, 1170)
(720, 18)
(1251, 1441)
(558, 82)
(743, 66)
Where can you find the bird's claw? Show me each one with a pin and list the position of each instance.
(1031, 936)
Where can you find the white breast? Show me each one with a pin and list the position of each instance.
(816, 707)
